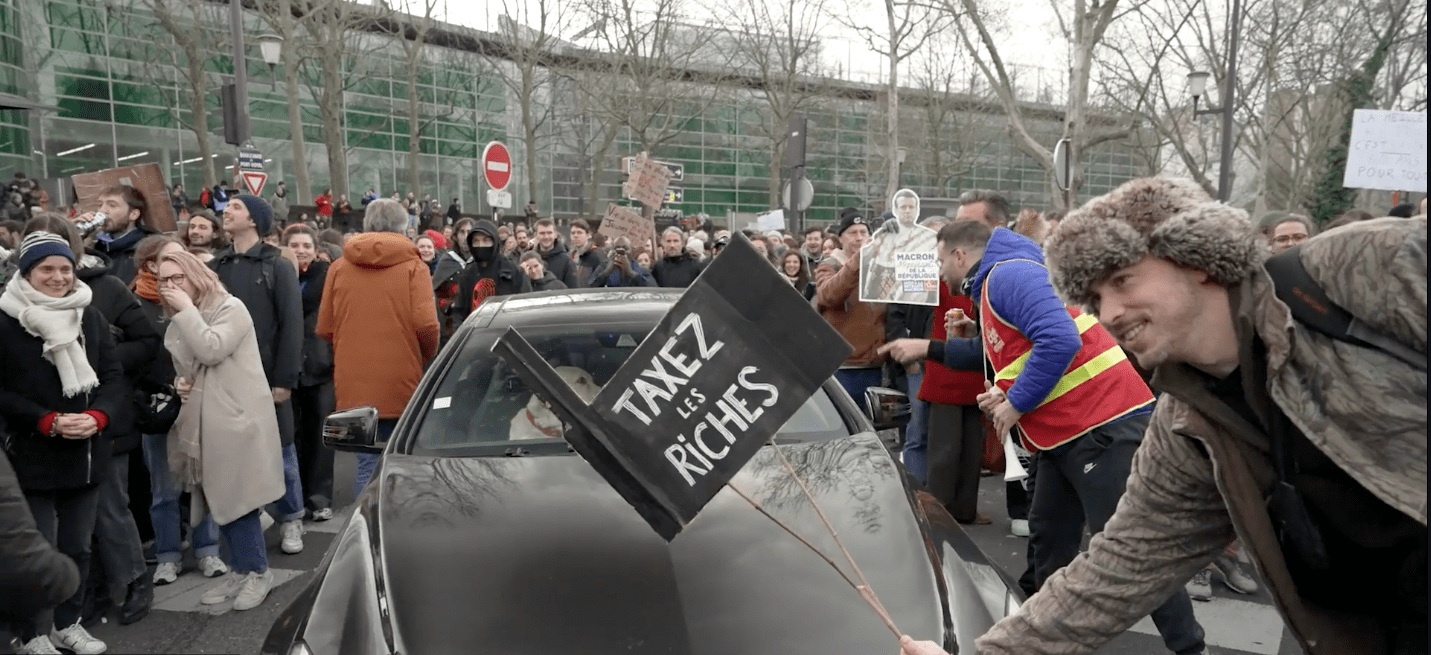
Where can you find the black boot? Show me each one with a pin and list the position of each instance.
(138, 599)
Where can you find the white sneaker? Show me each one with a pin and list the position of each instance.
(1200, 587)
(75, 638)
(220, 592)
(265, 521)
(292, 537)
(212, 566)
(255, 589)
(1019, 527)
(323, 514)
(166, 573)
(40, 645)
(1232, 574)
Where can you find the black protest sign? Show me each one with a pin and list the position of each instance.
(732, 361)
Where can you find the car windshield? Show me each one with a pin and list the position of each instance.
(480, 403)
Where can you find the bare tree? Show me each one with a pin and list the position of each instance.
(410, 22)
(279, 16)
(528, 40)
(189, 23)
(778, 43)
(653, 72)
(951, 133)
(336, 31)
(907, 27)
(1084, 28)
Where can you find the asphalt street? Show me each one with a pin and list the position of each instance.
(1235, 624)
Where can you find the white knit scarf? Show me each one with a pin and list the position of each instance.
(57, 321)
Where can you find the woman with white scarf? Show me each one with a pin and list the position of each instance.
(224, 448)
(60, 387)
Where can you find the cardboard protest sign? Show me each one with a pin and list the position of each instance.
(648, 181)
(900, 263)
(1387, 151)
(145, 178)
(730, 363)
(772, 220)
(625, 222)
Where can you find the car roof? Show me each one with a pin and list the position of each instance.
(575, 306)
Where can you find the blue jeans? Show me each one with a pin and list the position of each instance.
(1082, 481)
(916, 434)
(856, 380)
(367, 462)
(290, 506)
(164, 510)
(247, 551)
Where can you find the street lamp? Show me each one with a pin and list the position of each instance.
(271, 45)
(1197, 86)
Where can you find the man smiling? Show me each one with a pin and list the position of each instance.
(1310, 448)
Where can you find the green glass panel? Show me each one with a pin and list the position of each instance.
(375, 141)
(146, 116)
(86, 109)
(74, 41)
(81, 87)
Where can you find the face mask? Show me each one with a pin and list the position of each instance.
(484, 253)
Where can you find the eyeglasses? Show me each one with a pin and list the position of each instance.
(174, 279)
(1289, 239)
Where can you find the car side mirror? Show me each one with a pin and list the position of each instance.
(887, 409)
(353, 430)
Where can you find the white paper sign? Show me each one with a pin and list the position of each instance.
(774, 220)
(1387, 151)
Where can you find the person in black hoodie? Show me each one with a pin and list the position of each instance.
(553, 253)
(120, 551)
(542, 279)
(489, 274)
(313, 399)
(677, 267)
(61, 389)
(258, 274)
(124, 227)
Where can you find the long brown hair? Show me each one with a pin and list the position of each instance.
(147, 252)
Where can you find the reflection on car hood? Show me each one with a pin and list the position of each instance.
(538, 555)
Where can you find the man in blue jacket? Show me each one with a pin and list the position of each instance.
(1061, 381)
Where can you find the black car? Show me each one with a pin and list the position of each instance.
(469, 541)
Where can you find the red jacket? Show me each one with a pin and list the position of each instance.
(325, 204)
(942, 384)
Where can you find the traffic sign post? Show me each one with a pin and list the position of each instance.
(250, 168)
(497, 170)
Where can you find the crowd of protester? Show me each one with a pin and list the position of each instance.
(175, 384)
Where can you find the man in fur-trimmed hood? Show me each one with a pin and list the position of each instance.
(1260, 416)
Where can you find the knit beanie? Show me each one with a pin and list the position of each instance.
(1168, 218)
(850, 217)
(259, 210)
(438, 241)
(39, 245)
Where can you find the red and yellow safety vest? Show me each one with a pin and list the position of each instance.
(1099, 387)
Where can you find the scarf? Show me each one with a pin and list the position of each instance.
(146, 286)
(58, 322)
(185, 442)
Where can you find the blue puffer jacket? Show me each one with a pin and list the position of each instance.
(1022, 295)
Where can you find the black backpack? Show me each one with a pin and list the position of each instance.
(1312, 308)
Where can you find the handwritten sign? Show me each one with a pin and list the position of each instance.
(728, 365)
(147, 179)
(772, 220)
(623, 222)
(1387, 151)
(648, 181)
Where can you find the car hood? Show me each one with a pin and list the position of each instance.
(537, 555)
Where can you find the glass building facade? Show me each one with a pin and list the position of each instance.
(118, 81)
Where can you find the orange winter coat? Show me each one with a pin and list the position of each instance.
(378, 311)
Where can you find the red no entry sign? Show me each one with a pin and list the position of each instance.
(497, 165)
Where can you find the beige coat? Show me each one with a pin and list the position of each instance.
(231, 406)
(1363, 409)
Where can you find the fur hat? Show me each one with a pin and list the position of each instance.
(1168, 218)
